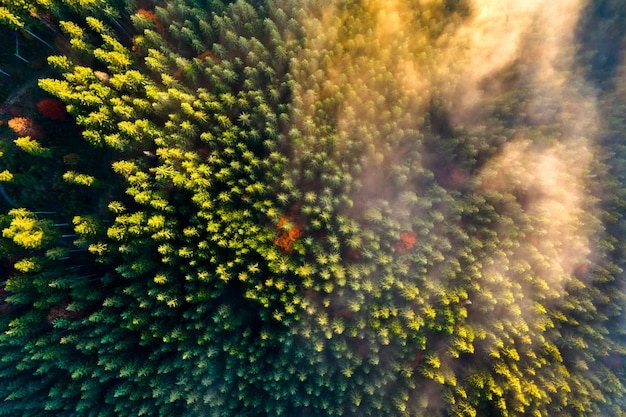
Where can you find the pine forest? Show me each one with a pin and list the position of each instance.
(299, 208)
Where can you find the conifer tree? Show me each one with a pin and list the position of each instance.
(246, 212)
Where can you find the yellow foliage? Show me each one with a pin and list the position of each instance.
(27, 265)
(160, 279)
(6, 176)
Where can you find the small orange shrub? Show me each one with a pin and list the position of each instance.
(154, 19)
(25, 127)
(406, 242)
(286, 236)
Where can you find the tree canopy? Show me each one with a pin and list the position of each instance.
(281, 208)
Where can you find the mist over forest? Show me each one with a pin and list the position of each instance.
(312, 208)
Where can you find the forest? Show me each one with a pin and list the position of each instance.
(296, 208)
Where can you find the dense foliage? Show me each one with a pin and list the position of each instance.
(264, 208)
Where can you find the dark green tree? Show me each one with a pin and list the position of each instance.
(252, 210)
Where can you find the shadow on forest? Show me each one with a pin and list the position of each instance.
(601, 33)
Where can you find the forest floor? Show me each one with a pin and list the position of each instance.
(17, 97)
(22, 71)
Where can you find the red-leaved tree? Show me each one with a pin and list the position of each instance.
(51, 108)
